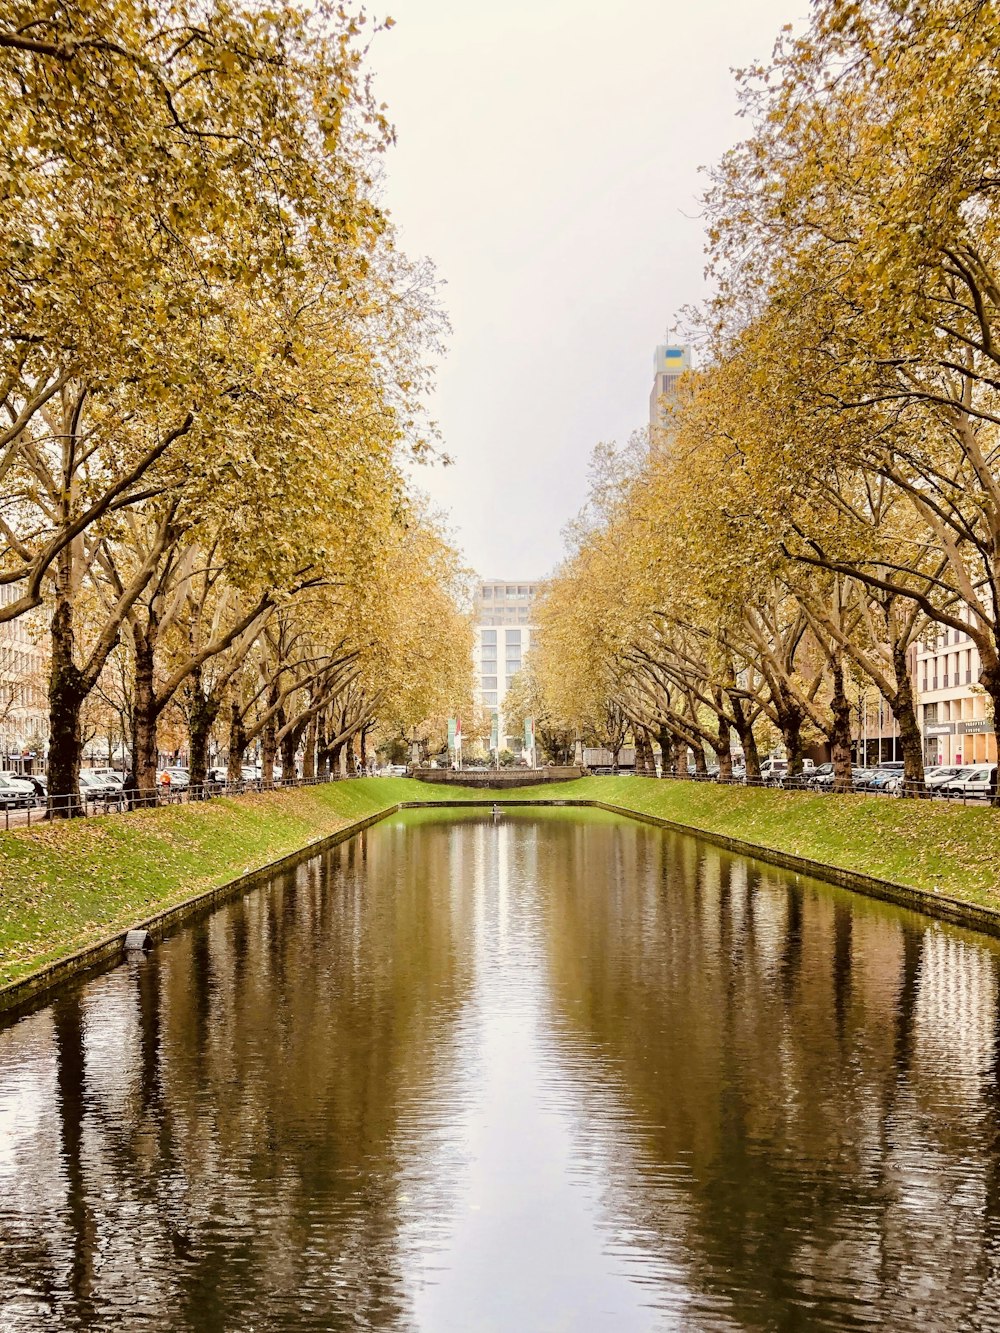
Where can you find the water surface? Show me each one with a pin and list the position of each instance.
(556, 1072)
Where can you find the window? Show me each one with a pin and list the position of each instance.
(513, 638)
(486, 594)
(490, 697)
(488, 682)
(489, 636)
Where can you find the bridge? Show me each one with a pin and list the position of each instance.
(497, 777)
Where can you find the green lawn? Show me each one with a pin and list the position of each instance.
(68, 884)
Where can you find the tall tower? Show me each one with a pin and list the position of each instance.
(670, 361)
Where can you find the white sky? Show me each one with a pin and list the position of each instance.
(548, 163)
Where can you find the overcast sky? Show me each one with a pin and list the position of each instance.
(548, 163)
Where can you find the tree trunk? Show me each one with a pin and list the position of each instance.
(201, 719)
(724, 745)
(748, 741)
(666, 742)
(66, 696)
(237, 743)
(322, 748)
(336, 753)
(840, 731)
(640, 754)
(650, 754)
(363, 742)
(289, 745)
(269, 739)
(700, 766)
(309, 754)
(144, 749)
(790, 724)
(910, 740)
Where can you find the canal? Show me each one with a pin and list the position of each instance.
(557, 1071)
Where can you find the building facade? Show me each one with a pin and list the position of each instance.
(670, 361)
(24, 718)
(952, 710)
(503, 626)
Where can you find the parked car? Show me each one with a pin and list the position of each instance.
(773, 770)
(180, 778)
(31, 789)
(978, 783)
(800, 780)
(98, 789)
(861, 778)
(217, 778)
(15, 795)
(938, 776)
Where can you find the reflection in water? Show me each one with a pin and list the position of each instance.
(558, 1071)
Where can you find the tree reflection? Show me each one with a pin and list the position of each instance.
(270, 1070)
(755, 1046)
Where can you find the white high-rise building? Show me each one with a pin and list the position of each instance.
(503, 628)
(670, 361)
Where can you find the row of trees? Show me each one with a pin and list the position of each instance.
(826, 494)
(212, 360)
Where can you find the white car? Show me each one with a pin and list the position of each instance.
(977, 783)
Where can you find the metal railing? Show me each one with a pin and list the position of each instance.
(900, 787)
(122, 802)
(21, 813)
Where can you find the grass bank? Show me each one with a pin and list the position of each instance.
(936, 846)
(66, 885)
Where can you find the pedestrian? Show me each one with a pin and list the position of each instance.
(165, 782)
(130, 789)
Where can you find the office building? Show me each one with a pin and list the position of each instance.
(24, 716)
(503, 615)
(953, 708)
